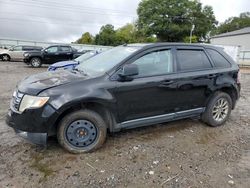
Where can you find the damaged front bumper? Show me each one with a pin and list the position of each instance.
(34, 124)
(34, 138)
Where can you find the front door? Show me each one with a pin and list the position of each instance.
(51, 55)
(151, 92)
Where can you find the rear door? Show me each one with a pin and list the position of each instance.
(195, 78)
(65, 53)
(16, 53)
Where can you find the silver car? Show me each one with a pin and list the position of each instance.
(16, 53)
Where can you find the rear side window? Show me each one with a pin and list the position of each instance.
(189, 60)
(218, 59)
(65, 49)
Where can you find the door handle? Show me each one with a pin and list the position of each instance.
(166, 83)
(211, 75)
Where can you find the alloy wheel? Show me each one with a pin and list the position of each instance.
(220, 110)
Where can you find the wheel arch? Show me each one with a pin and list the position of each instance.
(230, 90)
(99, 108)
(6, 54)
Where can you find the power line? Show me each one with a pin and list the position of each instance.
(54, 23)
(69, 9)
(85, 7)
(77, 21)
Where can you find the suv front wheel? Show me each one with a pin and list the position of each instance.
(218, 109)
(82, 131)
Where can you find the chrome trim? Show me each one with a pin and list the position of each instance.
(148, 118)
(160, 118)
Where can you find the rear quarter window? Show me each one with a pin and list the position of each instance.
(190, 60)
(218, 59)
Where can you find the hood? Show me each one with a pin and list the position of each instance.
(37, 83)
(64, 64)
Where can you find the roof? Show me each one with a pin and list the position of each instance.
(160, 44)
(243, 31)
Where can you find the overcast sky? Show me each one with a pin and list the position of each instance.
(65, 21)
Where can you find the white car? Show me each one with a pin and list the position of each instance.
(16, 53)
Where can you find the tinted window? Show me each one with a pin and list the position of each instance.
(65, 49)
(218, 59)
(155, 63)
(52, 49)
(192, 60)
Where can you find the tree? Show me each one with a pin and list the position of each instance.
(234, 23)
(130, 34)
(86, 38)
(171, 20)
(106, 36)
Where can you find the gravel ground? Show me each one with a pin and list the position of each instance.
(184, 153)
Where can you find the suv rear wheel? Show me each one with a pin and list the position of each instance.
(36, 62)
(82, 131)
(218, 109)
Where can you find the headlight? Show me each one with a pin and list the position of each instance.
(32, 102)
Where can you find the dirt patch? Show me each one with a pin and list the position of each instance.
(184, 153)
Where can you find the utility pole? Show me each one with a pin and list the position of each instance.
(191, 33)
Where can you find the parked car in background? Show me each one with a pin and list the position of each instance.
(126, 87)
(15, 53)
(50, 55)
(72, 63)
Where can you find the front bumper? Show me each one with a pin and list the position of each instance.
(34, 124)
(26, 60)
(35, 138)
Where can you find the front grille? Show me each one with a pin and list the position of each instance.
(16, 100)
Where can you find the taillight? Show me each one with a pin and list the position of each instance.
(238, 77)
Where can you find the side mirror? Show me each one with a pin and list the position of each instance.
(128, 71)
(46, 51)
(11, 49)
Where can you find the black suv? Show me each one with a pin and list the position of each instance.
(50, 55)
(126, 87)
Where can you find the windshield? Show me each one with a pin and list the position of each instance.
(105, 61)
(85, 56)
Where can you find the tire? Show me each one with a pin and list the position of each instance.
(5, 57)
(36, 62)
(218, 109)
(82, 131)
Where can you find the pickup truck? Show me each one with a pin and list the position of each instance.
(50, 55)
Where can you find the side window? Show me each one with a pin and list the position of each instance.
(218, 59)
(52, 49)
(65, 49)
(17, 48)
(189, 60)
(155, 63)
